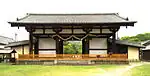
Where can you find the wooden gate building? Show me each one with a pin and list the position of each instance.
(48, 31)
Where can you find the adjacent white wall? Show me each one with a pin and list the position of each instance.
(133, 53)
(148, 47)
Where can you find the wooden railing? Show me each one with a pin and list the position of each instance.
(72, 57)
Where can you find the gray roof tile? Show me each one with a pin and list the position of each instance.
(73, 18)
(5, 40)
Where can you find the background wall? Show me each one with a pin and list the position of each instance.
(133, 53)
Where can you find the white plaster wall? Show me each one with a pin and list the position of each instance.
(78, 31)
(95, 31)
(98, 51)
(98, 43)
(47, 43)
(47, 53)
(49, 31)
(26, 49)
(66, 31)
(133, 53)
(106, 31)
(38, 31)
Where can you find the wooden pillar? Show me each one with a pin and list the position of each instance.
(36, 46)
(86, 46)
(57, 46)
(30, 42)
(114, 42)
(83, 46)
(61, 46)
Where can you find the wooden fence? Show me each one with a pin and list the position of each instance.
(72, 57)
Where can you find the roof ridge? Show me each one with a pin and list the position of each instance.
(71, 13)
(18, 41)
(18, 19)
(117, 14)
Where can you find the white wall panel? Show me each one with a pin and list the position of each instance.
(47, 53)
(106, 31)
(47, 43)
(49, 31)
(98, 51)
(38, 31)
(95, 31)
(98, 43)
(66, 31)
(78, 31)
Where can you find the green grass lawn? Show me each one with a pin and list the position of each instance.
(143, 70)
(57, 70)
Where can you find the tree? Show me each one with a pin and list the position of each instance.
(137, 38)
(72, 47)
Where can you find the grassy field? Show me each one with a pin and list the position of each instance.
(143, 70)
(41, 70)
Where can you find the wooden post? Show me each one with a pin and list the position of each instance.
(30, 41)
(36, 46)
(86, 51)
(57, 46)
(114, 42)
(83, 46)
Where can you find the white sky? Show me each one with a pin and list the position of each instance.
(137, 10)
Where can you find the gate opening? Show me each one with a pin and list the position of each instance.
(72, 47)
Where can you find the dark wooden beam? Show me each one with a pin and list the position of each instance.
(83, 46)
(98, 49)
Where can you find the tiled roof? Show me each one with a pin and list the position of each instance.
(18, 43)
(72, 18)
(124, 42)
(147, 42)
(5, 40)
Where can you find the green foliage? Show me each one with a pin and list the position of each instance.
(72, 47)
(137, 38)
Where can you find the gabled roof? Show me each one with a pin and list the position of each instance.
(5, 40)
(124, 42)
(99, 18)
(18, 43)
(147, 42)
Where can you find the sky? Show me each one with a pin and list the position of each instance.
(135, 10)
